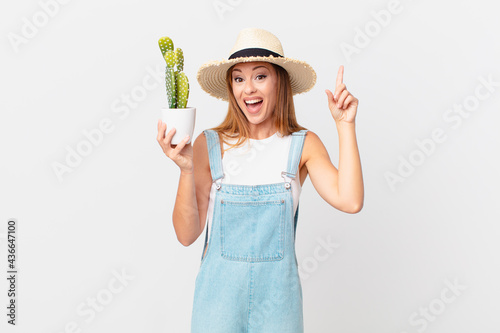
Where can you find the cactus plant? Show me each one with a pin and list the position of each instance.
(176, 81)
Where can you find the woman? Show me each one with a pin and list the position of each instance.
(242, 180)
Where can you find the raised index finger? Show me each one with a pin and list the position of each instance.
(340, 75)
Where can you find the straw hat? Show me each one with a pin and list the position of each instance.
(255, 45)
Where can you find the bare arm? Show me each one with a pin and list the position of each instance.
(185, 216)
(193, 191)
(350, 179)
(342, 188)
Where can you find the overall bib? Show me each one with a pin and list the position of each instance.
(248, 280)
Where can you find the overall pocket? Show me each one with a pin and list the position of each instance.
(252, 230)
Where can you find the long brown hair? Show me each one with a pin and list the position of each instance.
(235, 125)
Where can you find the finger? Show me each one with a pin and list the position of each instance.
(168, 137)
(178, 148)
(331, 101)
(161, 131)
(181, 145)
(348, 100)
(342, 98)
(340, 75)
(329, 94)
(339, 90)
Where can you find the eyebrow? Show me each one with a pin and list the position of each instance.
(236, 69)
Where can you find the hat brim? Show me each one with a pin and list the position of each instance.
(212, 75)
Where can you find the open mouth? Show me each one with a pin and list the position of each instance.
(254, 105)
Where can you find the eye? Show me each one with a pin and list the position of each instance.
(262, 76)
(237, 79)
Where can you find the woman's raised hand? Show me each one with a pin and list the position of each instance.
(181, 154)
(343, 105)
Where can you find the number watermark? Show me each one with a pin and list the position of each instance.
(12, 271)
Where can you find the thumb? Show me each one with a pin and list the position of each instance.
(331, 100)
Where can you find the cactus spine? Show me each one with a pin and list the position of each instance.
(176, 80)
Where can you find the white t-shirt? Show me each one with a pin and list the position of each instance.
(256, 162)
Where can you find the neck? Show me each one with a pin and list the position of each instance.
(259, 133)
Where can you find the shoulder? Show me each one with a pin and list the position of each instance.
(313, 146)
(312, 140)
(200, 142)
(200, 151)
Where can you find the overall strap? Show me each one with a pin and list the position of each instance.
(294, 154)
(214, 154)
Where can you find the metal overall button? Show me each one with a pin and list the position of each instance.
(218, 182)
(288, 179)
(252, 231)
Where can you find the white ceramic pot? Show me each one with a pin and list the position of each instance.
(182, 119)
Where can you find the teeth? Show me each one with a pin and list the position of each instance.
(254, 101)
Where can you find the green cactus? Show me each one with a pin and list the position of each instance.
(165, 44)
(170, 59)
(176, 80)
(182, 92)
(171, 88)
(179, 59)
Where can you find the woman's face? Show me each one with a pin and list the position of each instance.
(254, 88)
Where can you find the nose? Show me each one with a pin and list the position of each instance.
(249, 87)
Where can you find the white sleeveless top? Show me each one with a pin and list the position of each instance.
(256, 162)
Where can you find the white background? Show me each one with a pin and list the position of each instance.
(111, 214)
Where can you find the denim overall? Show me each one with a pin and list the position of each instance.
(248, 281)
